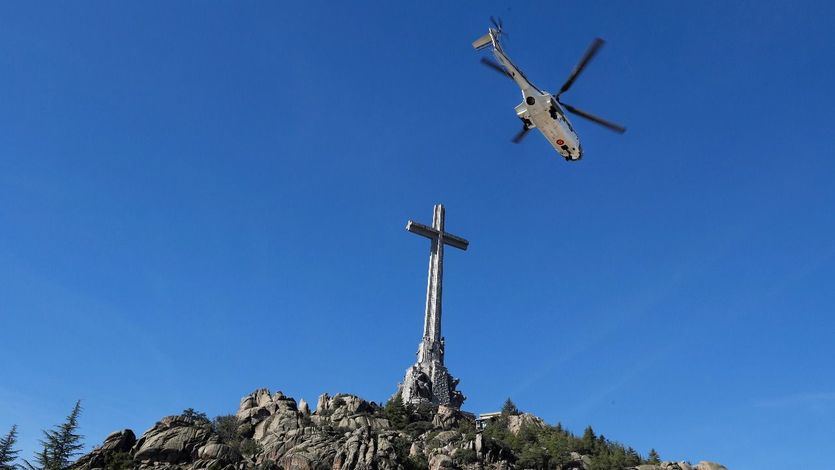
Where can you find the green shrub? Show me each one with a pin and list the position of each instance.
(416, 462)
(195, 415)
(396, 413)
(467, 429)
(466, 456)
(418, 427)
(250, 448)
(533, 457)
(550, 447)
(226, 428)
(402, 447)
(118, 461)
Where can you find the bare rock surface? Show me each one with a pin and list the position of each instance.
(448, 417)
(174, 439)
(703, 465)
(515, 423)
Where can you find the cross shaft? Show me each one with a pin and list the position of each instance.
(432, 345)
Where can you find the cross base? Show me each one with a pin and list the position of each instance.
(429, 382)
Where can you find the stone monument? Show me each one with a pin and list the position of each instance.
(428, 381)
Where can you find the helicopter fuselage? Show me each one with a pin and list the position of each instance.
(540, 109)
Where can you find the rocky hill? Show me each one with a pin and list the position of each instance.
(345, 432)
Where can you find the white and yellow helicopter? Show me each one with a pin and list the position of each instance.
(541, 109)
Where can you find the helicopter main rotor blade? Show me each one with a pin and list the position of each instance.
(493, 65)
(520, 135)
(590, 53)
(591, 117)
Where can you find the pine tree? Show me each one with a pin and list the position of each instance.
(601, 445)
(59, 445)
(509, 408)
(42, 459)
(8, 453)
(633, 456)
(653, 457)
(396, 412)
(588, 440)
(192, 414)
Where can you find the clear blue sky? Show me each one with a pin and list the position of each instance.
(200, 199)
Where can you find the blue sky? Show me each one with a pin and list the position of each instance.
(200, 199)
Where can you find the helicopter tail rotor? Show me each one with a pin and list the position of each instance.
(494, 33)
(498, 26)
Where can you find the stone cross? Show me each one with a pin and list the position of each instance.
(432, 345)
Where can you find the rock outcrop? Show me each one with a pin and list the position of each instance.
(515, 423)
(174, 439)
(344, 432)
(703, 465)
(119, 442)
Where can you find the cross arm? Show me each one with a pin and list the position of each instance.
(432, 234)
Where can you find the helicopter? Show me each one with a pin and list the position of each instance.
(541, 109)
